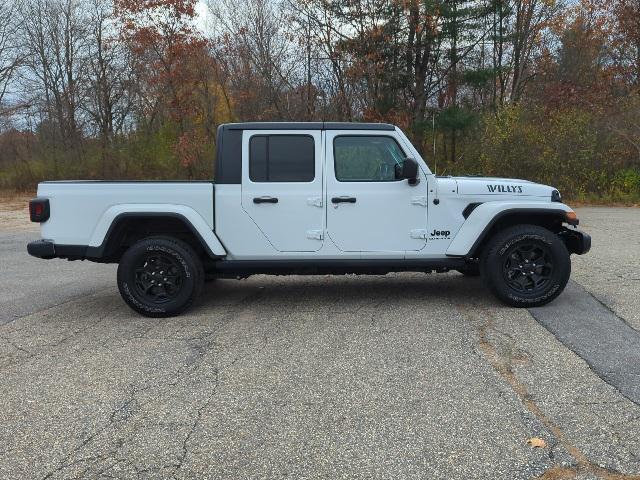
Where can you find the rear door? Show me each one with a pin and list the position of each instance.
(368, 209)
(282, 187)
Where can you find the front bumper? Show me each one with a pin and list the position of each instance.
(41, 249)
(576, 241)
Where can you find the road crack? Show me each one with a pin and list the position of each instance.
(202, 344)
(504, 367)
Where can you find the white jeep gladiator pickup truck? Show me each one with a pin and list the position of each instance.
(311, 198)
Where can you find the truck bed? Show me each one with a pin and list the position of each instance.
(82, 211)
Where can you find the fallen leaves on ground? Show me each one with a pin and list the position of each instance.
(537, 442)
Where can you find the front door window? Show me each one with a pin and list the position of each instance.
(366, 158)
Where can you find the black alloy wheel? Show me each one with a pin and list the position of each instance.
(160, 276)
(525, 265)
(528, 266)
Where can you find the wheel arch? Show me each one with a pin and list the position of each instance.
(475, 232)
(126, 228)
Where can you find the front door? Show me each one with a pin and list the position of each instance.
(282, 187)
(368, 209)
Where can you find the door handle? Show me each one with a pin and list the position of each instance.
(265, 200)
(343, 200)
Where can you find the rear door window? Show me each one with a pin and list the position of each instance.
(281, 158)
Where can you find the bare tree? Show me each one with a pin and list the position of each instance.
(11, 55)
(321, 33)
(54, 37)
(108, 90)
(259, 54)
(531, 18)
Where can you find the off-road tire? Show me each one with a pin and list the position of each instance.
(507, 265)
(149, 262)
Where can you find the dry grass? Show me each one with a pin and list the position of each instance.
(14, 212)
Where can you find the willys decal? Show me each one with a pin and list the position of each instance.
(505, 188)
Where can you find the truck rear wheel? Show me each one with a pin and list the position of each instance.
(526, 265)
(160, 276)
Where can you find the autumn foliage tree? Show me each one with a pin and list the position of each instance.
(548, 90)
(168, 58)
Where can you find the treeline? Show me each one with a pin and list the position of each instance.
(535, 89)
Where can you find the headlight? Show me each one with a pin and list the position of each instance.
(555, 196)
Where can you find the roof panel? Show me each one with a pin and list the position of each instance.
(307, 126)
(357, 126)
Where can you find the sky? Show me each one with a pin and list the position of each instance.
(203, 14)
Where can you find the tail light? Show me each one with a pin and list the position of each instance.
(39, 210)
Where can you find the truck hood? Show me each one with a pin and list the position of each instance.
(501, 186)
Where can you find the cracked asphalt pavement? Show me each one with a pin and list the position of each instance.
(402, 376)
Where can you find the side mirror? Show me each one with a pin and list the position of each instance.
(408, 170)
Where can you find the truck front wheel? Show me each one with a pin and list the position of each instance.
(526, 265)
(160, 276)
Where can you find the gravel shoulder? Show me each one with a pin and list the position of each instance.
(14, 213)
